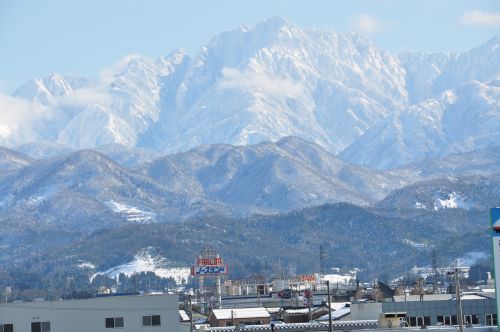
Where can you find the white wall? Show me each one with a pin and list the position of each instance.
(362, 311)
(89, 315)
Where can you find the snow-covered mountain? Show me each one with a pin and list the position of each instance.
(86, 191)
(466, 192)
(96, 215)
(246, 86)
(466, 119)
(271, 177)
(12, 160)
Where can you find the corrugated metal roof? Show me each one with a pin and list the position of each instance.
(336, 314)
(273, 310)
(297, 311)
(472, 297)
(241, 313)
(338, 305)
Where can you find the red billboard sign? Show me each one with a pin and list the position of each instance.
(215, 261)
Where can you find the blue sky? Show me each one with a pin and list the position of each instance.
(85, 37)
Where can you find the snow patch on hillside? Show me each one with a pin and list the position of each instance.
(132, 213)
(471, 258)
(420, 206)
(86, 265)
(415, 244)
(149, 261)
(452, 201)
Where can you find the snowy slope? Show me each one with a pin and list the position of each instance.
(88, 191)
(270, 177)
(148, 260)
(463, 120)
(465, 192)
(12, 160)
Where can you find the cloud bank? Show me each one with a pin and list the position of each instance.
(366, 24)
(480, 18)
(15, 113)
(235, 79)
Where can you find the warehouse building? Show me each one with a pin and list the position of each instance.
(125, 313)
(433, 310)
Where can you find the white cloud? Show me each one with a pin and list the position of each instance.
(15, 113)
(248, 80)
(366, 24)
(83, 97)
(108, 75)
(16, 110)
(479, 18)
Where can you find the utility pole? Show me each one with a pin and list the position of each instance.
(330, 307)
(190, 313)
(321, 261)
(459, 302)
(434, 272)
(404, 286)
(456, 275)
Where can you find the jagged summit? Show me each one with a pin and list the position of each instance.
(270, 81)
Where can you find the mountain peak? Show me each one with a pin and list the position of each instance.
(273, 23)
(260, 84)
(276, 26)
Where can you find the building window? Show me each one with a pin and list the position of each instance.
(153, 320)
(6, 327)
(114, 322)
(491, 319)
(257, 322)
(419, 321)
(447, 320)
(471, 319)
(40, 327)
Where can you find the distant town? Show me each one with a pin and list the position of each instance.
(328, 300)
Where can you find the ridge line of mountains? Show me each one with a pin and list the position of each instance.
(246, 86)
(271, 140)
(286, 198)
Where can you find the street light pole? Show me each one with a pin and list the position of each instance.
(330, 307)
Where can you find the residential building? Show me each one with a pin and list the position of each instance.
(125, 313)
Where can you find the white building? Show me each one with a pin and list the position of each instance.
(125, 313)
